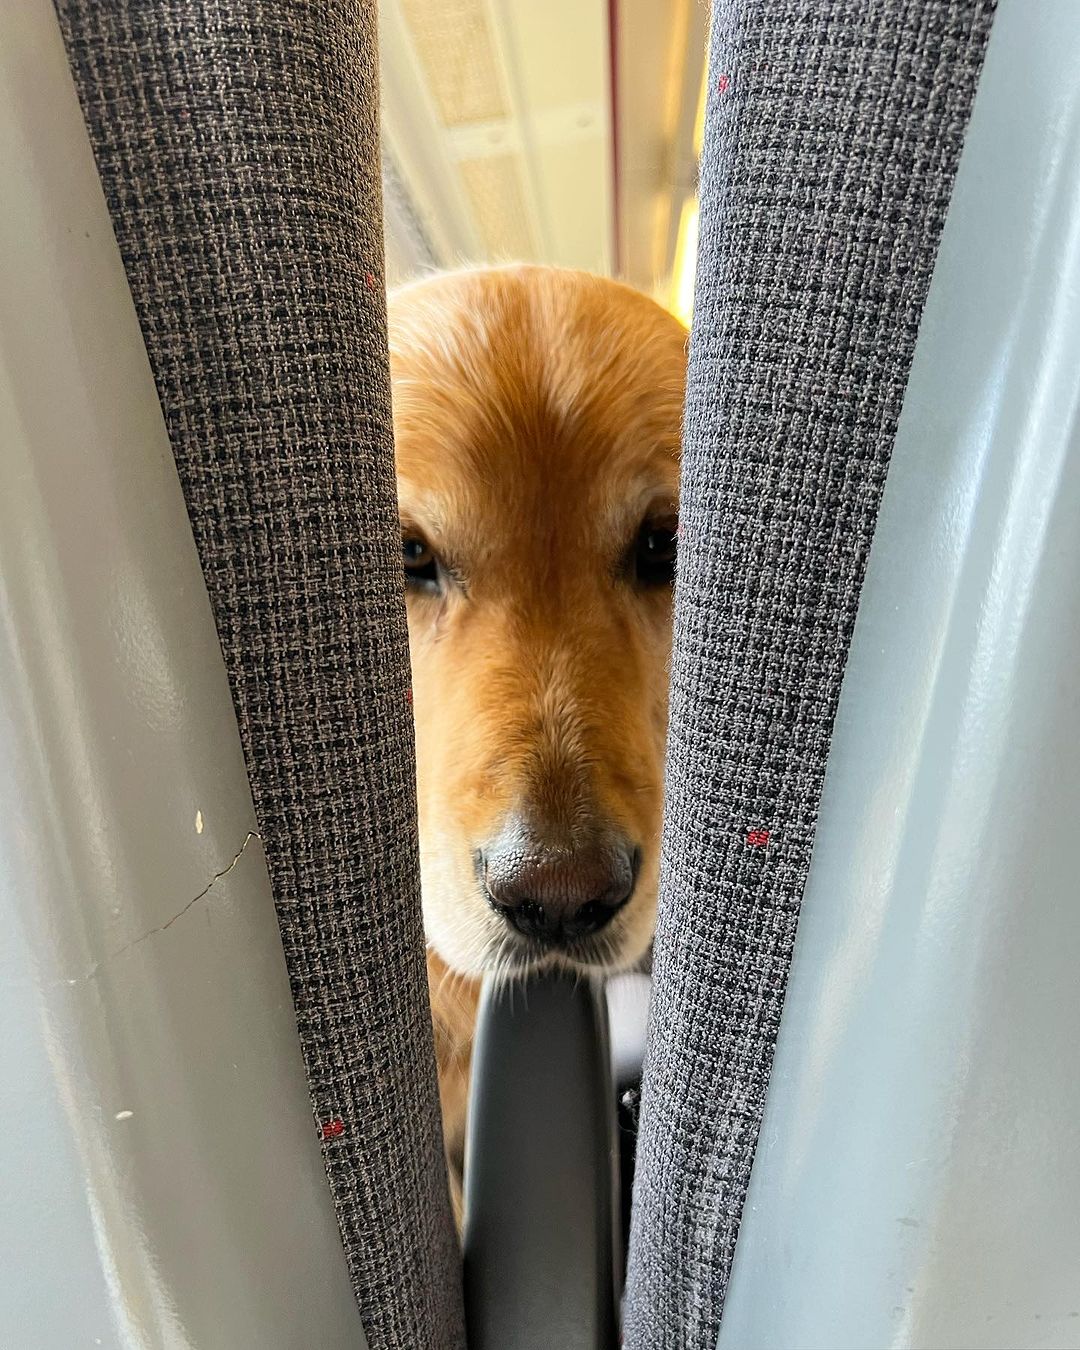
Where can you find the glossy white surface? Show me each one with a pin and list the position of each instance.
(917, 1183)
(161, 1180)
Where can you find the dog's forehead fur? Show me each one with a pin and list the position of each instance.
(519, 388)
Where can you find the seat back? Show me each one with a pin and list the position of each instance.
(237, 143)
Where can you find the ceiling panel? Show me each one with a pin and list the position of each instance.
(455, 49)
(499, 137)
(496, 194)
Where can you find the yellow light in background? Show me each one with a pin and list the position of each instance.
(684, 267)
(682, 274)
(680, 12)
(699, 120)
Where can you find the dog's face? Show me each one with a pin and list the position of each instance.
(537, 417)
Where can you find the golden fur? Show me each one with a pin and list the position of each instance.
(537, 417)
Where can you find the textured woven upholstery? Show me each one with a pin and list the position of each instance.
(833, 133)
(237, 142)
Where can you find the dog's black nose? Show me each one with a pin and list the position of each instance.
(557, 895)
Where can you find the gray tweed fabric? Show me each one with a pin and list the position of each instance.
(237, 141)
(833, 133)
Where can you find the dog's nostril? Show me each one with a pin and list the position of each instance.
(592, 916)
(531, 919)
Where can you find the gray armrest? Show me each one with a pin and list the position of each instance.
(541, 1265)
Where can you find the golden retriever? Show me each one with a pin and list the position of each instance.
(537, 420)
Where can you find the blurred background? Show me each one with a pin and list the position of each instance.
(556, 131)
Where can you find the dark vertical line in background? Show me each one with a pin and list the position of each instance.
(616, 178)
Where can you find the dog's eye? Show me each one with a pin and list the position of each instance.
(655, 554)
(421, 565)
